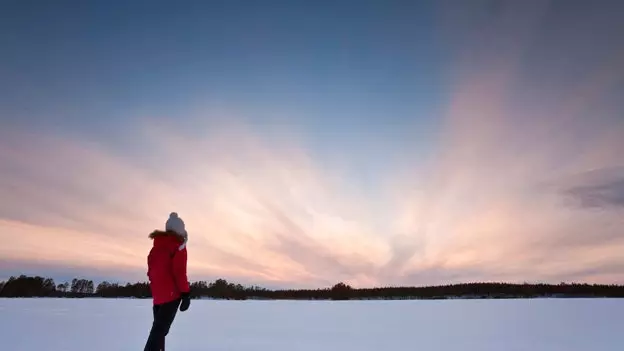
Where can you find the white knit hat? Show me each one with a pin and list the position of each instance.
(176, 224)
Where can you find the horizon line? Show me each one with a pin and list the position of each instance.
(329, 287)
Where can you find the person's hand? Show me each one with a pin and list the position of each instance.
(186, 301)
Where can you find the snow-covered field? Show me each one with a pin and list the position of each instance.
(479, 325)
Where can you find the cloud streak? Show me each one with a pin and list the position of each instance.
(254, 210)
(481, 209)
(525, 183)
(600, 191)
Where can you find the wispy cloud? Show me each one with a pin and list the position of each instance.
(525, 182)
(254, 210)
(491, 206)
(599, 189)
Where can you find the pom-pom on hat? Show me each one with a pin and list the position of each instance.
(176, 224)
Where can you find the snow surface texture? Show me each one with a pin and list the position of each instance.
(479, 325)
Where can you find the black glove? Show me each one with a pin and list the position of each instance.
(186, 301)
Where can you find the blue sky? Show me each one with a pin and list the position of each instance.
(361, 77)
(409, 131)
(349, 65)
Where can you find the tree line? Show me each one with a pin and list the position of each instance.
(27, 286)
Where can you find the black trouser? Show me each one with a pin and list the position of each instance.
(163, 317)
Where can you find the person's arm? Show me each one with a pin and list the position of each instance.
(179, 271)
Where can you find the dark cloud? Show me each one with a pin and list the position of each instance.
(609, 195)
(598, 189)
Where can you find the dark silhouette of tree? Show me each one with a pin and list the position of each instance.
(81, 287)
(137, 290)
(24, 286)
(102, 288)
(62, 288)
(341, 291)
(48, 286)
(89, 287)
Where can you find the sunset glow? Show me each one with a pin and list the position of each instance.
(513, 172)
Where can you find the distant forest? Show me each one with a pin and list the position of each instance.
(27, 286)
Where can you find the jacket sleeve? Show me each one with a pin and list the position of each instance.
(179, 271)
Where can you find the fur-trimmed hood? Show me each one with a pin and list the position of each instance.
(182, 239)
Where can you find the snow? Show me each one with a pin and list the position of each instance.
(510, 325)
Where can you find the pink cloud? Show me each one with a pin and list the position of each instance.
(254, 210)
(492, 204)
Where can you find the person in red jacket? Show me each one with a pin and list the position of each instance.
(166, 269)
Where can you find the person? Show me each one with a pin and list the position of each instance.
(168, 280)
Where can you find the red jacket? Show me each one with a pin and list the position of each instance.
(166, 267)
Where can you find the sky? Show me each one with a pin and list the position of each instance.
(306, 143)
